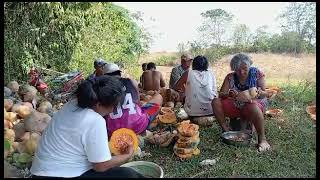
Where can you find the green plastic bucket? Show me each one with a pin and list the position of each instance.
(148, 169)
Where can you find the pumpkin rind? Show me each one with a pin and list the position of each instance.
(166, 110)
(168, 118)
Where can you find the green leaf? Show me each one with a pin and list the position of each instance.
(7, 145)
(24, 158)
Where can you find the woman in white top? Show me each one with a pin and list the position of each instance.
(75, 142)
(199, 85)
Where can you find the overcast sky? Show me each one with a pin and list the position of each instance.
(175, 22)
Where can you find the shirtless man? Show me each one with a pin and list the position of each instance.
(152, 80)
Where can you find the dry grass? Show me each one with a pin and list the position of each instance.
(278, 68)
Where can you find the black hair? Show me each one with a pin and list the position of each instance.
(105, 89)
(144, 65)
(151, 65)
(200, 63)
(116, 73)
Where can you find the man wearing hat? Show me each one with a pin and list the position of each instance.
(98, 66)
(129, 112)
(177, 72)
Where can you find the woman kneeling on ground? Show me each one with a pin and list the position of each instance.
(75, 143)
(236, 103)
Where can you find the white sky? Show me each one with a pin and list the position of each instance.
(176, 22)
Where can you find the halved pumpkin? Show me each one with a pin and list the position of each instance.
(182, 150)
(188, 144)
(168, 118)
(271, 93)
(188, 139)
(188, 129)
(274, 112)
(183, 156)
(120, 139)
(166, 110)
(311, 110)
(275, 88)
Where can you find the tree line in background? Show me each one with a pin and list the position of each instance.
(219, 36)
(69, 36)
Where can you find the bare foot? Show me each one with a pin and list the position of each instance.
(263, 146)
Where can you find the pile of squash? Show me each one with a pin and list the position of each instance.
(188, 140)
(24, 122)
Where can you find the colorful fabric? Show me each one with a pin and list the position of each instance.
(254, 75)
(232, 111)
(152, 110)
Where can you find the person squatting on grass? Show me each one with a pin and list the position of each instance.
(177, 72)
(243, 77)
(144, 68)
(75, 142)
(98, 66)
(152, 80)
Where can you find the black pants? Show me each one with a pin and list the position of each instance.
(117, 172)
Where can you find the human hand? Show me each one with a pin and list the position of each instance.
(175, 95)
(232, 93)
(130, 150)
(243, 96)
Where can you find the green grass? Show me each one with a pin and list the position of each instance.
(293, 144)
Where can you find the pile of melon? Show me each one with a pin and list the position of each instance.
(26, 115)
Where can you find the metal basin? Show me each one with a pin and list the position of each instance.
(236, 138)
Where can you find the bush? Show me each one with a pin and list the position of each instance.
(68, 36)
(165, 60)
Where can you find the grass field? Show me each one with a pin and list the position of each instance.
(292, 136)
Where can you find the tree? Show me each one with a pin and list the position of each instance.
(146, 36)
(182, 47)
(261, 39)
(300, 17)
(68, 36)
(214, 26)
(241, 35)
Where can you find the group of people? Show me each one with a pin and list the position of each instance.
(75, 143)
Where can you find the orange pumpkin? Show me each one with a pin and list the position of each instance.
(184, 156)
(311, 110)
(274, 112)
(166, 110)
(188, 129)
(274, 88)
(168, 118)
(120, 139)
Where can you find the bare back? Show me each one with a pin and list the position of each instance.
(152, 80)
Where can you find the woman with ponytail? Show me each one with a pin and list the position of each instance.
(75, 142)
